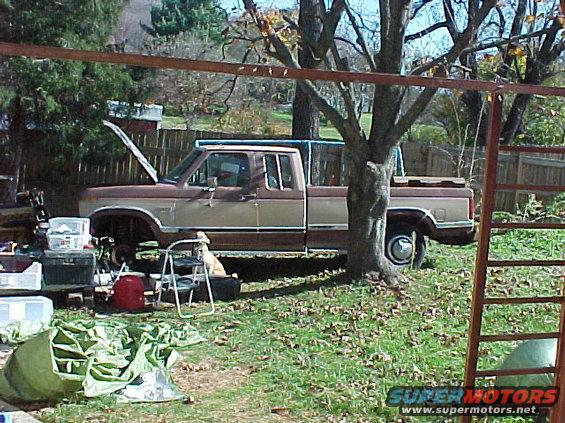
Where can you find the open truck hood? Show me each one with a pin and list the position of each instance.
(150, 170)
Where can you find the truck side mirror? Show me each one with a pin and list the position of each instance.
(212, 183)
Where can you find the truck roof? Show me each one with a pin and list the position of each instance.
(244, 147)
(257, 142)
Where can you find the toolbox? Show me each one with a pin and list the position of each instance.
(68, 270)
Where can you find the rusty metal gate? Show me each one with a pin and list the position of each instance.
(483, 262)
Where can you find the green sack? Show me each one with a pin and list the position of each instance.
(97, 357)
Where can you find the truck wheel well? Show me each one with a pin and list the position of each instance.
(418, 220)
(123, 228)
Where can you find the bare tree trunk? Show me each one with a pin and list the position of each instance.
(514, 120)
(305, 116)
(16, 133)
(476, 116)
(367, 201)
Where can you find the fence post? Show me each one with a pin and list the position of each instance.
(429, 160)
(519, 180)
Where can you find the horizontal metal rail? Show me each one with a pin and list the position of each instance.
(552, 149)
(527, 187)
(512, 372)
(518, 336)
(280, 72)
(512, 263)
(524, 300)
(527, 225)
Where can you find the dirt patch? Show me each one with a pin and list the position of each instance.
(200, 381)
(206, 377)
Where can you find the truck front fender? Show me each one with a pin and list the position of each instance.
(106, 214)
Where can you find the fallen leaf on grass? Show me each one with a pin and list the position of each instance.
(220, 341)
(279, 410)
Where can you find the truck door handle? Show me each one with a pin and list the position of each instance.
(248, 197)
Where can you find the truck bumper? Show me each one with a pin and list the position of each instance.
(455, 236)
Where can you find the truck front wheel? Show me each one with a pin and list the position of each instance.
(405, 245)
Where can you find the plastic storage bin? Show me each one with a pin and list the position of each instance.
(29, 279)
(67, 242)
(65, 270)
(31, 309)
(69, 225)
(68, 233)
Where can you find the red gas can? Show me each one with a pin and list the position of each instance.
(128, 293)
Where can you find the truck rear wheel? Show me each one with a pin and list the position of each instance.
(405, 245)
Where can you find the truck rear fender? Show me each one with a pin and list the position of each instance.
(421, 219)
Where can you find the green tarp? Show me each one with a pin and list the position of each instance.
(17, 332)
(530, 354)
(96, 357)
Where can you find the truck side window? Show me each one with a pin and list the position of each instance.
(231, 169)
(286, 171)
(272, 175)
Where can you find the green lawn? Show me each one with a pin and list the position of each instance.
(302, 346)
(283, 121)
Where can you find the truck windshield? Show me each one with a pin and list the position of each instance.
(174, 175)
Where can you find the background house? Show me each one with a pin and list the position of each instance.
(138, 118)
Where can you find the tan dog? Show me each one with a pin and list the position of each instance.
(213, 265)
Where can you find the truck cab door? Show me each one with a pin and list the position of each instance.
(226, 211)
(282, 201)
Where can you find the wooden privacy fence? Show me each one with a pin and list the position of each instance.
(513, 168)
(166, 148)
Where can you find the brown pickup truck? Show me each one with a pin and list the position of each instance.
(271, 196)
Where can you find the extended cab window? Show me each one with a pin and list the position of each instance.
(231, 169)
(272, 171)
(278, 171)
(286, 171)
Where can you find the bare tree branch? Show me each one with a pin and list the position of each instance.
(361, 39)
(419, 7)
(426, 31)
(450, 19)
(410, 116)
(350, 43)
(330, 20)
(345, 89)
(443, 59)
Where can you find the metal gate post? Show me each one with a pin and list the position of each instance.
(487, 208)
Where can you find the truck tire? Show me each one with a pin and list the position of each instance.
(401, 248)
(122, 253)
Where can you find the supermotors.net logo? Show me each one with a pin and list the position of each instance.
(455, 400)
